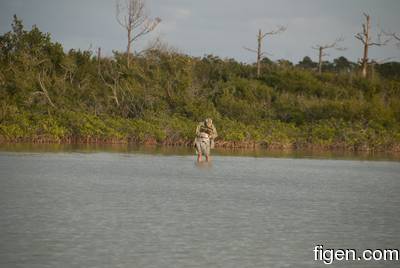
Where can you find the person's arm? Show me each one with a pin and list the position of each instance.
(215, 134)
(198, 130)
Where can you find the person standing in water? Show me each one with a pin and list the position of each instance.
(205, 135)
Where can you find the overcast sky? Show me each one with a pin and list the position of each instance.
(220, 27)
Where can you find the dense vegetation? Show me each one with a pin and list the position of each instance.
(48, 95)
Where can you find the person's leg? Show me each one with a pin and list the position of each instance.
(198, 151)
(207, 152)
(203, 150)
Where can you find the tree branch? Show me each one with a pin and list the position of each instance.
(331, 45)
(251, 50)
(280, 29)
(131, 15)
(147, 28)
(360, 37)
(266, 53)
(44, 91)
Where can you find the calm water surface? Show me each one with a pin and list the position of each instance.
(79, 208)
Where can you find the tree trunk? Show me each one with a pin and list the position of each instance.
(128, 49)
(320, 60)
(365, 62)
(98, 59)
(259, 41)
(366, 45)
(99, 53)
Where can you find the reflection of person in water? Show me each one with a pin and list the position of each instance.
(205, 135)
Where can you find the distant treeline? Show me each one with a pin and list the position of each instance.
(48, 95)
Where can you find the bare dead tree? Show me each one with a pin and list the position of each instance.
(43, 91)
(98, 53)
(393, 35)
(69, 68)
(132, 16)
(260, 38)
(114, 88)
(366, 40)
(321, 49)
(114, 85)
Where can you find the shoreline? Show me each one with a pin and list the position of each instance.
(219, 144)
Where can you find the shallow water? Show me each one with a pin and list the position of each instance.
(85, 209)
(179, 150)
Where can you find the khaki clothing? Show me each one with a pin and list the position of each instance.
(205, 136)
(202, 145)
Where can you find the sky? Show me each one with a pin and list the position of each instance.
(219, 27)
